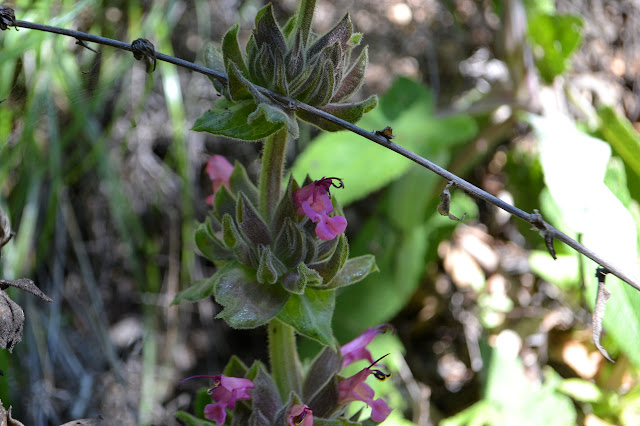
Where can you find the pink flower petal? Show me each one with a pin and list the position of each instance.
(356, 349)
(300, 415)
(216, 412)
(329, 227)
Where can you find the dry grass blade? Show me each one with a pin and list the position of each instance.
(5, 229)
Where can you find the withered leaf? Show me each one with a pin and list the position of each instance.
(6, 419)
(598, 312)
(445, 204)
(11, 322)
(26, 285)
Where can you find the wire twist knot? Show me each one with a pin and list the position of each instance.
(143, 48)
(7, 18)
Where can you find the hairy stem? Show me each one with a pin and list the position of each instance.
(273, 157)
(283, 356)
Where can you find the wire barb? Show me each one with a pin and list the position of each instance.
(143, 48)
(598, 312)
(85, 45)
(545, 231)
(7, 18)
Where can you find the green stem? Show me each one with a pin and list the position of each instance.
(273, 156)
(283, 354)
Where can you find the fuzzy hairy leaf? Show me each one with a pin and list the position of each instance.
(199, 290)
(354, 78)
(231, 50)
(351, 112)
(211, 246)
(310, 314)
(247, 304)
(230, 119)
(354, 270)
(330, 267)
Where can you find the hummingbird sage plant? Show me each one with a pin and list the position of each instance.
(280, 250)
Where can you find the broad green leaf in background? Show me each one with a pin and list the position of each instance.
(625, 141)
(623, 138)
(574, 166)
(563, 272)
(511, 398)
(554, 38)
(401, 254)
(365, 166)
(397, 235)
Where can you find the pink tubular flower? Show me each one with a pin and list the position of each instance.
(314, 200)
(225, 391)
(356, 349)
(219, 171)
(355, 389)
(300, 415)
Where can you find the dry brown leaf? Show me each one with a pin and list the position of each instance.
(11, 322)
(6, 419)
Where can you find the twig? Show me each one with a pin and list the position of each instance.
(549, 232)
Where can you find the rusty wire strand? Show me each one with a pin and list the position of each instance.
(549, 232)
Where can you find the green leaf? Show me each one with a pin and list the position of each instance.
(340, 33)
(354, 78)
(380, 296)
(563, 272)
(481, 413)
(230, 119)
(310, 314)
(239, 181)
(554, 39)
(267, 111)
(592, 210)
(231, 50)
(330, 267)
(351, 112)
(276, 115)
(268, 31)
(191, 420)
(520, 401)
(265, 395)
(622, 137)
(199, 290)
(213, 59)
(581, 390)
(251, 223)
(247, 304)
(410, 106)
(355, 270)
(325, 366)
(211, 246)
(304, 17)
(235, 367)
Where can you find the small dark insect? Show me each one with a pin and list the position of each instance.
(386, 133)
